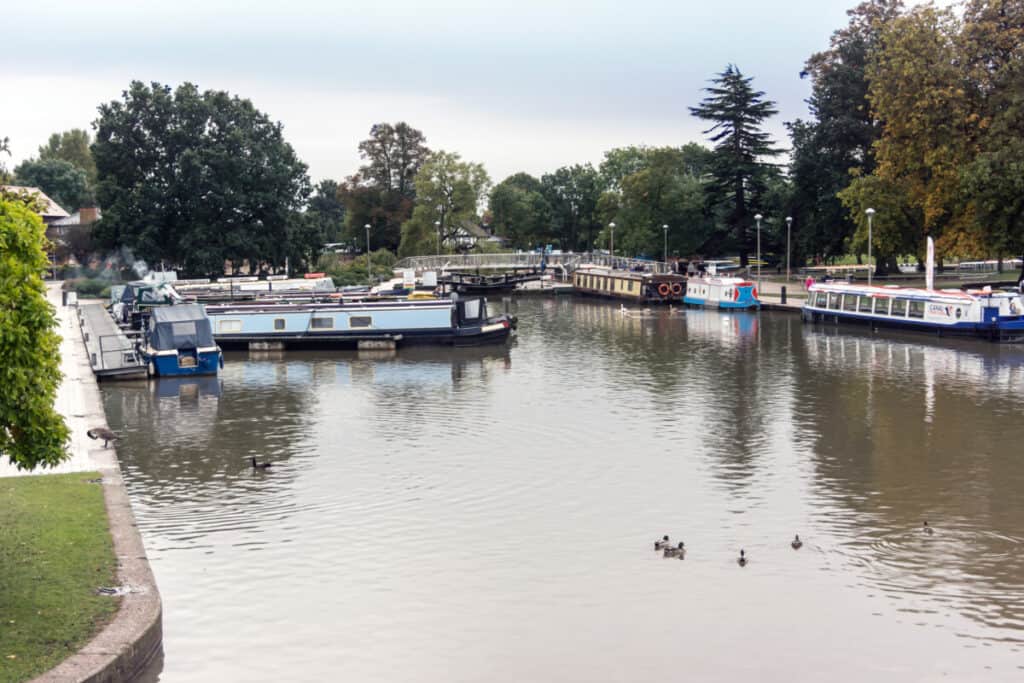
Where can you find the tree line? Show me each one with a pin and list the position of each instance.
(917, 113)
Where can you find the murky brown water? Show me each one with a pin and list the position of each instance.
(488, 514)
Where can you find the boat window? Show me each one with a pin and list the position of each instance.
(864, 304)
(820, 299)
(631, 283)
(360, 321)
(899, 308)
(279, 323)
(833, 300)
(185, 328)
(849, 302)
(322, 323)
(229, 326)
(472, 309)
(916, 309)
(882, 306)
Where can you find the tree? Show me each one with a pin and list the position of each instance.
(572, 192)
(32, 433)
(196, 179)
(71, 146)
(737, 112)
(449, 193)
(5, 146)
(327, 210)
(520, 211)
(62, 181)
(382, 193)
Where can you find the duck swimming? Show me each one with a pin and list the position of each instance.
(797, 543)
(742, 561)
(662, 544)
(927, 529)
(679, 551)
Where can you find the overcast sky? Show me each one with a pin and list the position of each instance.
(519, 86)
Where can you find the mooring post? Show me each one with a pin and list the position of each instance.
(783, 299)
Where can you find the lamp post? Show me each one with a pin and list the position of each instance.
(758, 218)
(437, 225)
(789, 226)
(369, 277)
(871, 214)
(664, 229)
(611, 248)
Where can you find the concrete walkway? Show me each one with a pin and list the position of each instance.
(134, 637)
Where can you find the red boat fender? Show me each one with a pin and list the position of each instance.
(664, 289)
(677, 288)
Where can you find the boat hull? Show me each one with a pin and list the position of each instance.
(184, 363)
(724, 305)
(1009, 333)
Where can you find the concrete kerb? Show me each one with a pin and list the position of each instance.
(127, 645)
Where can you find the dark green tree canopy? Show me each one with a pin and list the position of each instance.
(572, 193)
(737, 113)
(394, 154)
(194, 179)
(61, 180)
(71, 146)
(520, 212)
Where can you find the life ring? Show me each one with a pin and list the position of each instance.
(664, 289)
(677, 289)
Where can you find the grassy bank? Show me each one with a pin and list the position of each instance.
(55, 550)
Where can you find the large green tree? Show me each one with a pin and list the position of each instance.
(520, 212)
(194, 179)
(71, 146)
(62, 181)
(573, 192)
(32, 433)
(327, 210)
(449, 195)
(738, 169)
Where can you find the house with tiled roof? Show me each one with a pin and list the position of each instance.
(51, 212)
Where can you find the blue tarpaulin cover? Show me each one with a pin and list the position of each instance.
(183, 326)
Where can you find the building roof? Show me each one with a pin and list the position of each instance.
(52, 208)
(74, 219)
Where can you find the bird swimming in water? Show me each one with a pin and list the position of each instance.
(742, 561)
(679, 551)
(662, 544)
(797, 543)
(260, 465)
(927, 529)
(102, 433)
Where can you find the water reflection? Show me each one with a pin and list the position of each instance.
(458, 514)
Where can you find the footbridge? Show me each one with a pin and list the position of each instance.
(562, 263)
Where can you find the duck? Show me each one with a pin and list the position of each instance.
(102, 433)
(260, 465)
(796, 542)
(663, 543)
(927, 529)
(679, 551)
(742, 561)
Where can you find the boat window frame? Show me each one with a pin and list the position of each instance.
(898, 303)
(916, 309)
(360, 318)
(820, 300)
(885, 301)
(229, 326)
(835, 300)
(283, 324)
(851, 298)
(861, 301)
(313, 320)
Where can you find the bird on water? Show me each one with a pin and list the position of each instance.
(742, 561)
(927, 529)
(662, 544)
(102, 433)
(260, 465)
(679, 551)
(797, 543)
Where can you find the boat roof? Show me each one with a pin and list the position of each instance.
(910, 292)
(726, 280)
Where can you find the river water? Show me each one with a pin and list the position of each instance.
(488, 515)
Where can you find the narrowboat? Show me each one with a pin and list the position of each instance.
(991, 314)
(721, 292)
(637, 286)
(179, 342)
(365, 324)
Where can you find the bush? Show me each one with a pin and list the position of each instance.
(347, 270)
(88, 287)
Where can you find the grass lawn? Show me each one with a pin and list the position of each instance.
(55, 550)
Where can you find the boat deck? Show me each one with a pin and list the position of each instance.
(112, 352)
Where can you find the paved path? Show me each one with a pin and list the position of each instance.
(108, 346)
(78, 400)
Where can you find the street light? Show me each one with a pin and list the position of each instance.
(369, 278)
(437, 224)
(758, 218)
(871, 214)
(664, 228)
(789, 225)
(612, 246)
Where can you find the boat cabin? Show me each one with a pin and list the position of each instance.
(627, 284)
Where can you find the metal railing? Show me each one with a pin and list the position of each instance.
(566, 262)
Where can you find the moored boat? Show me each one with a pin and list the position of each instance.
(638, 286)
(997, 315)
(721, 292)
(179, 342)
(453, 322)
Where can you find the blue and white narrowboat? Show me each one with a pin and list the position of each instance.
(991, 314)
(452, 322)
(721, 292)
(179, 342)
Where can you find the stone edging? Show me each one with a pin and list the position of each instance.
(127, 645)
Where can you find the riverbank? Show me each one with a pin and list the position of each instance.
(134, 636)
(55, 551)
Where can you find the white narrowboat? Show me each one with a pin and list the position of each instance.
(721, 292)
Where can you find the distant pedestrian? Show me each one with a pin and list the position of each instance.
(808, 282)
